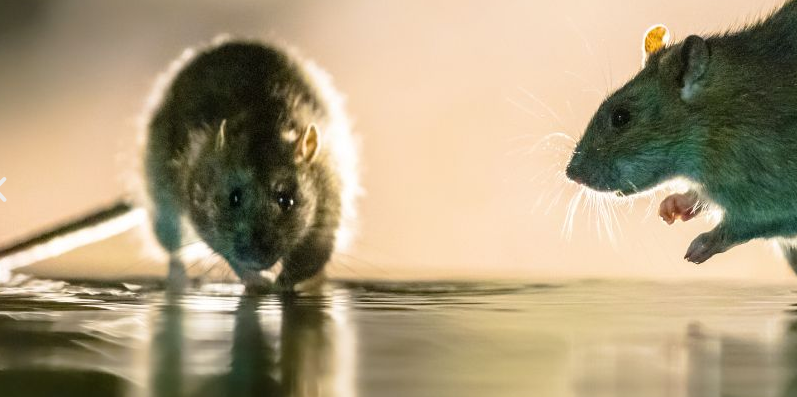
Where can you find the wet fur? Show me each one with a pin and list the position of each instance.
(734, 136)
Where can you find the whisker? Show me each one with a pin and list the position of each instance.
(218, 260)
(525, 109)
(544, 106)
(572, 207)
(545, 171)
(587, 45)
(556, 199)
(592, 88)
(581, 35)
(551, 196)
(362, 262)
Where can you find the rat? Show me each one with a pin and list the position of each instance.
(717, 111)
(248, 149)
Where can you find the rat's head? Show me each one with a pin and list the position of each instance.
(646, 132)
(250, 192)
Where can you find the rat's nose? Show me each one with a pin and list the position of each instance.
(573, 173)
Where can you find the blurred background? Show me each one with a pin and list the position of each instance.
(455, 103)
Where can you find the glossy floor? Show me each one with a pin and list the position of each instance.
(590, 338)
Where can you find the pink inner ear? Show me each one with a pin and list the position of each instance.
(221, 136)
(307, 144)
(300, 150)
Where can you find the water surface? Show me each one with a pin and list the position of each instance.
(588, 338)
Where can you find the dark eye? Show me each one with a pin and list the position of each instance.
(620, 117)
(236, 197)
(285, 201)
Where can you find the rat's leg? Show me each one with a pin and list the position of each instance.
(168, 231)
(252, 279)
(306, 261)
(708, 244)
(735, 230)
(684, 206)
(166, 215)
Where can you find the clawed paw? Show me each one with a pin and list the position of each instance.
(679, 206)
(704, 247)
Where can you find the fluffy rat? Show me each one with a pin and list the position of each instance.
(249, 150)
(718, 111)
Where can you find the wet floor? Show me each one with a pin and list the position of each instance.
(590, 338)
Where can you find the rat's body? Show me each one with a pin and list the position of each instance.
(720, 112)
(247, 150)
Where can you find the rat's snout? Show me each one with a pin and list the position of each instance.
(244, 251)
(574, 170)
(260, 247)
(249, 247)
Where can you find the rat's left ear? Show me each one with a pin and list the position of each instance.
(656, 38)
(307, 145)
(220, 137)
(695, 55)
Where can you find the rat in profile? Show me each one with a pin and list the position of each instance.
(249, 150)
(719, 112)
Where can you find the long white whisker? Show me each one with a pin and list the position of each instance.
(544, 106)
(558, 196)
(525, 109)
(572, 208)
(593, 89)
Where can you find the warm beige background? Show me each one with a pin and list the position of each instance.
(448, 96)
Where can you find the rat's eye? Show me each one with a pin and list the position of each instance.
(620, 117)
(285, 201)
(236, 197)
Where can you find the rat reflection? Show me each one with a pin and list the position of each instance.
(300, 358)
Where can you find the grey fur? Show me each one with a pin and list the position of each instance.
(262, 99)
(719, 111)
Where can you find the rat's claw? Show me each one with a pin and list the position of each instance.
(704, 247)
(679, 206)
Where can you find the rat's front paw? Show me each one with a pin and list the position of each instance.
(675, 206)
(177, 280)
(705, 246)
(255, 283)
(284, 284)
(263, 288)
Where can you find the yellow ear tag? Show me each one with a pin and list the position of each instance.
(656, 38)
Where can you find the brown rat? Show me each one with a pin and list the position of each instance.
(249, 149)
(718, 111)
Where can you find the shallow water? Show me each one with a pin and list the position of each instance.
(590, 338)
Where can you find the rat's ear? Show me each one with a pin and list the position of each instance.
(656, 38)
(307, 145)
(220, 136)
(695, 55)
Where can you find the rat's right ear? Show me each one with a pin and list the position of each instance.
(695, 55)
(656, 38)
(307, 145)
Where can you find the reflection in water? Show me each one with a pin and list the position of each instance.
(254, 361)
(167, 351)
(308, 355)
(790, 358)
(589, 339)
